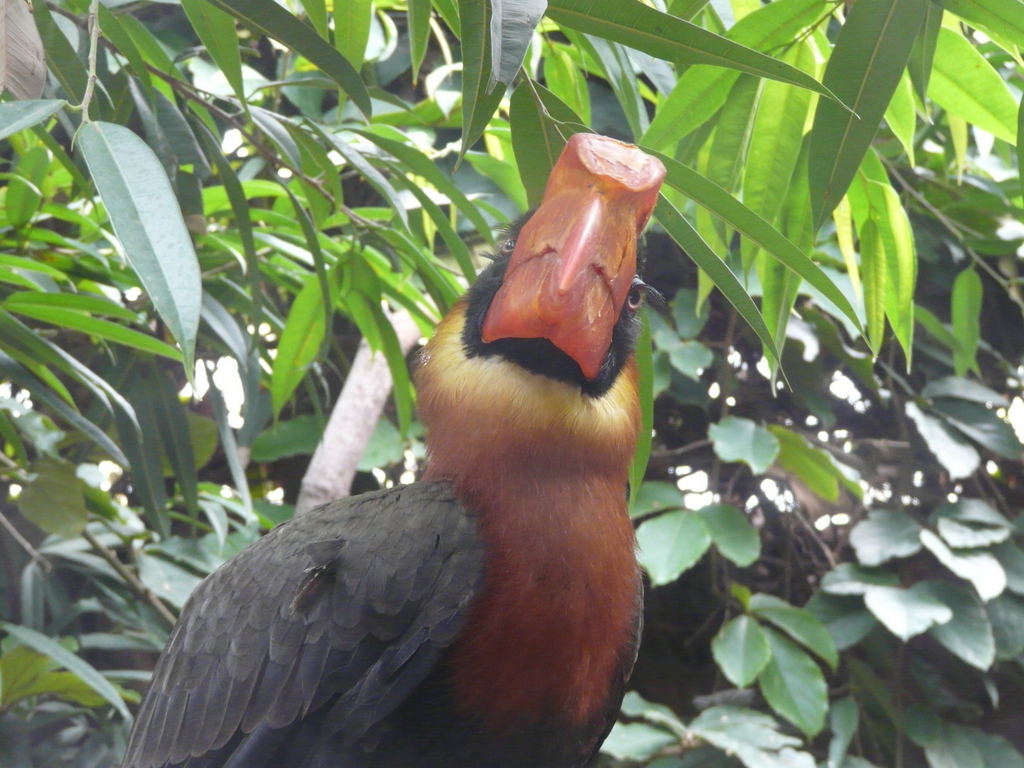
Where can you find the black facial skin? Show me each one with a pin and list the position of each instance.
(540, 355)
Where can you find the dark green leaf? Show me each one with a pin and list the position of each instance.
(845, 618)
(957, 456)
(923, 53)
(645, 385)
(536, 139)
(216, 30)
(478, 103)
(981, 425)
(872, 49)
(966, 315)
(968, 634)
(1006, 615)
(53, 499)
(293, 437)
(512, 25)
(61, 57)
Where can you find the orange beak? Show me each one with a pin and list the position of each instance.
(575, 259)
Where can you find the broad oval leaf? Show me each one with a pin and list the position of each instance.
(793, 685)
(799, 623)
(980, 568)
(907, 612)
(738, 439)
(741, 650)
(146, 219)
(18, 115)
(732, 533)
(885, 534)
(969, 633)
(671, 544)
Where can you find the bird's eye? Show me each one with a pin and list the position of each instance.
(636, 295)
(508, 246)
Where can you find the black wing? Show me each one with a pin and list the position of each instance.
(345, 610)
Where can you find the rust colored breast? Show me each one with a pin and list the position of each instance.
(549, 634)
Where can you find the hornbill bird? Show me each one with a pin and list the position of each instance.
(489, 615)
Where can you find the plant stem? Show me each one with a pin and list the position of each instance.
(94, 39)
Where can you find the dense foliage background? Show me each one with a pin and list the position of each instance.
(206, 206)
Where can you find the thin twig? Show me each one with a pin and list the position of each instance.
(94, 37)
(130, 578)
(16, 535)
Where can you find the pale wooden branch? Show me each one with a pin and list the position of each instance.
(333, 467)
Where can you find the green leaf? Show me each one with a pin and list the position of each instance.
(512, 25)
(53, 499)
(865, 66)
(965, 308)
(478, 104)
(799, 623)
(845, 617)
(852, 579)
(216, 30)
(61, 57)
(901, 115)
(671, 544)
(639, 26)
(536, 139)
(1003, 17)
(1011, 558)
(747, 222)
(980, 424)
(964, 389)
(352, 22)
(146, 219)
(980, 568)
(175, 437)
(655, 496)
(907, 612)
(965, 84)
(968, 634)
(1006, 615)
(72, 663)
(958, 457)
(680, 230)
(316, 12)
(645, 385)
(292, 437)
(971, 523)
(812, 465)
(741, 650)
(703, 89)
(922, 55)
(385, 447)
(732, 533)
(874, 277)
(883, 535)
(843, 718)
(270, 19)
(18, 115)
(566, 82)
(793, 685)
(738, 439)
(775, 141)
(104, 329)
(419, 33)
(25, 195)
(751, 736)
(300, 341)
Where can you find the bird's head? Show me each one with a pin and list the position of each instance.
(546, 333)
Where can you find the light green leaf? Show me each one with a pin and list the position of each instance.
(964, 389)
(971, 523)
(671, 544)
(645, 387)
(958, 457)
(844, 616)
(901, 115)
(72, 663)
(146, 219)
(741, 650)
(980, 568)
(968, 634)
(812, 465)
(883, 535)
(300, 341)
(732, 533)
(419, 34)
(922, 55)
(1003, 17)
(793, 685)
(852, 579)
(352, 21)
(738, 439)
(981, 424)
(965, 84)
(655, 496)
(536, 140)
(799, 623)
(907, 612)
(965, 308)
(843, 718)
